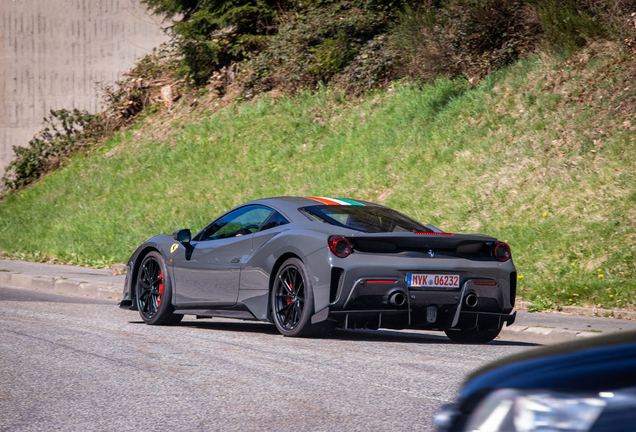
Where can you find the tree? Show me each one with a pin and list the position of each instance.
(211, 34)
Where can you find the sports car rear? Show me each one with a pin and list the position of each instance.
(427, 280)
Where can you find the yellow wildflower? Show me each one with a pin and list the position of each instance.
(519, 277)
(611, 295)
(545, 214)
(572, 263)
(600, 275)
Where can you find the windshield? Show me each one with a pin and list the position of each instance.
(365, 219)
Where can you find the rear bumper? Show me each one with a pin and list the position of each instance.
(397, 319)
(474, 306)
(487, 320)
(356, 282)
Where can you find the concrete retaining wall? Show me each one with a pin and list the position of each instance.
(52, 53)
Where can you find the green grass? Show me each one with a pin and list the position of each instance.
(532, 155)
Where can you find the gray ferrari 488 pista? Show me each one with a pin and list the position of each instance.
(309, 264)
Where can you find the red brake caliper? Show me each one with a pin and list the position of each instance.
(289, 299)
(160, 288)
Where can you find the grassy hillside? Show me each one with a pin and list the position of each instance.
(540, 155)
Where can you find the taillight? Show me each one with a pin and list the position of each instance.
(340, 246)
(501, 251)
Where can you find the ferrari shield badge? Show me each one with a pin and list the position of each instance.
(174, 247)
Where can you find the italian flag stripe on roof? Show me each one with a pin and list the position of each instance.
(350, 202)
(336, 201)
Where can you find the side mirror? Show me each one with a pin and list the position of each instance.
(182, 235)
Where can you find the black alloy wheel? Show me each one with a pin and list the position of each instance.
(149, 287)
(292, 301)
(154, 291)
(290, 298)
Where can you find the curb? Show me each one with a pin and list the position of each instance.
(608, 313)
(74, 287)
(542, 335)
(583, 311)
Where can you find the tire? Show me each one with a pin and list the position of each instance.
(472, 336)
(153, 292)
(292, 302)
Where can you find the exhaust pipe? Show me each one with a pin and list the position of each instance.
(470, 300)
(397, 298)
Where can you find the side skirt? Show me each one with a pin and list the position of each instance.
(219, 313)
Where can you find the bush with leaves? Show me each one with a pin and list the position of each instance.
(64, 133)
(310, 41)
(470, 37)
(422, 40)
(295, 45)
(570, 24)
(142, 86)
(372, 67)
(317, 44)
(616, 17)
(67, 132)
(211, 34)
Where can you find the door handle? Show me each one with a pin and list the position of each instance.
(235, 260)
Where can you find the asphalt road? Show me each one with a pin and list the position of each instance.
(82, 364)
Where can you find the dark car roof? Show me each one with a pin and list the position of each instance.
(591, 364)
(289, 205)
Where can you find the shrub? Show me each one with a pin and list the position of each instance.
(330, 56)
(471, 37)
(615, 16)
(295, 44)
(211, 34)
(316, 45)
(67, 132)
(568, 24)
(64, 132)
(142, 85)
(422, 40)
(373, 67)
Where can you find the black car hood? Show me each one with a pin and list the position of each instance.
(600, 363)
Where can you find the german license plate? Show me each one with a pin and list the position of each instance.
(432, 280)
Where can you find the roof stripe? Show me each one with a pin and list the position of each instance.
(324, 201)
(351, 202)
(335, 201)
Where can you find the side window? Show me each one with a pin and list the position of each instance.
(240, 222)
(276, 219)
